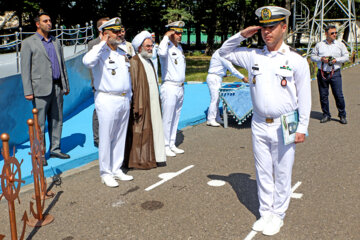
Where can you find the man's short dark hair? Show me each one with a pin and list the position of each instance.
(37, 18)
(101, 20)
(329, 27)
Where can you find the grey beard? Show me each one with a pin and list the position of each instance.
(145, 54)
(114, 42)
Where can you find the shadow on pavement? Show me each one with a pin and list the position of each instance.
(316, 115)
(52, 204)
(245, 189)
(179, 138)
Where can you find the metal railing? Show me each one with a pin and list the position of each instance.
(67, 36)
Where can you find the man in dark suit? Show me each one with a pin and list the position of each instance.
(95, 121)
(45, 80)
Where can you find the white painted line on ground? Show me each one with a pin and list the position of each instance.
(296, 195)
(216, 183)
(167, 177)
(118, 203)
(295, 186)
(252, 234)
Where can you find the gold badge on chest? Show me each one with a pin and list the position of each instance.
(113, 72)
(254, 80)
(175, 61)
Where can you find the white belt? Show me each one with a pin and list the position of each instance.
(179, 84)
(122, 94)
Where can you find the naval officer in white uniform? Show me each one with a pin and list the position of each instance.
(172, 61)
(110, 68)
(279, 84)
(216, 72)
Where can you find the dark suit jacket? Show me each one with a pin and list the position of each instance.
(36, 71)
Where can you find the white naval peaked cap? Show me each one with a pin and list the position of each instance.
(176, 26)
(139, 39)
(271, 15)
(112, 24)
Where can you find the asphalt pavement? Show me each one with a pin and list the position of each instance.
(182, 205)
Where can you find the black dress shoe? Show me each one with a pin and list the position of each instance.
(343, 120)
(59, 155)
(325, 119)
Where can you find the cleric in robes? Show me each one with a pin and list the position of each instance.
(145, 140)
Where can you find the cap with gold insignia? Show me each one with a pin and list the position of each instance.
(112, 24)
(271, 15)
(176, 26)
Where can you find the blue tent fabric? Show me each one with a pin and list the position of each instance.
(237, 99)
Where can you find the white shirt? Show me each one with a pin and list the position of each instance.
(269, 98)
(103, 63)
(219, 66)
(172, 61)
(154, 57)
(335, 49)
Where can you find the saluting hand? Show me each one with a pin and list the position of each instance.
(170, 33)
(245, 80)
(104, 37)
(249, 31)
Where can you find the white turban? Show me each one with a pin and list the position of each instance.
(139, 39)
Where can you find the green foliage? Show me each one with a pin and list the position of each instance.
(173, 14)
(197, 53)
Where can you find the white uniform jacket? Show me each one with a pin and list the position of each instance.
(266, 70)
(110, 69)
(172, 61)
(219, 66)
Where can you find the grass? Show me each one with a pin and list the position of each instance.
(197, 69)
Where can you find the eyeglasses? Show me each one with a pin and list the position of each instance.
(333, 33)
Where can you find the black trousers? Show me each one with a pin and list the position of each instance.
(335, 82)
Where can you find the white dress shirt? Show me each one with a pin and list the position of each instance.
(269, 97)
(335, 49)
(172, 61)
(110, 69)
(219, 66)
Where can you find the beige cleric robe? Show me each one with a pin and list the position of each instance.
(140, 152)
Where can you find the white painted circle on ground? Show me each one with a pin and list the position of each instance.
(167, 175)
(216, 183)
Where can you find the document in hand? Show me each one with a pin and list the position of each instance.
(289, 123)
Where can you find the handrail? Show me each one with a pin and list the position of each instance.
(67, 36)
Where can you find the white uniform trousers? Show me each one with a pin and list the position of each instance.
(214, 83)
(172, 98)
(273, 163)
(113, 114)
